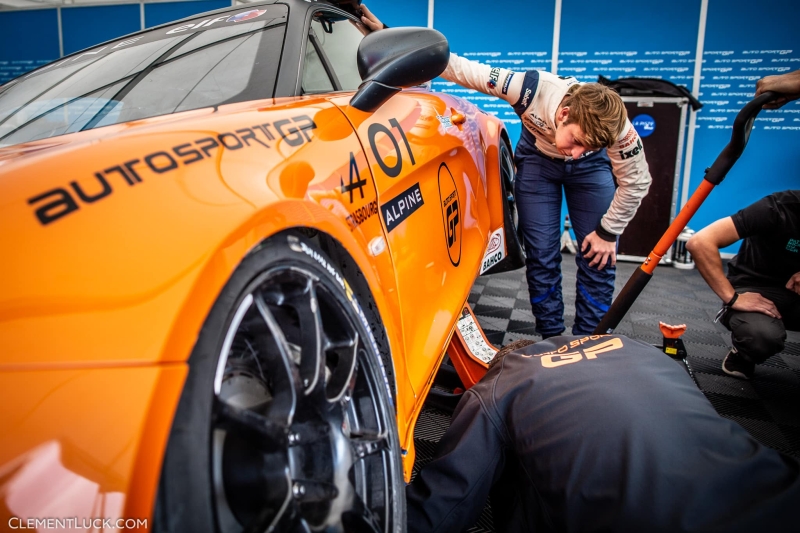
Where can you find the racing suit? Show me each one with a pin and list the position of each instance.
(543, 172)
(599, 433)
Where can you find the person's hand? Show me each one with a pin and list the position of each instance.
(369, 20)
(788, 85)
(602, 252)
(794, 283)
(754, 302)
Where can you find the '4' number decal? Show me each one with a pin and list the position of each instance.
(374, 130)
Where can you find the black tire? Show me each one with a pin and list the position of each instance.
(513, 234)
(267, 437)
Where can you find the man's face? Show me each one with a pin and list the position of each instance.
(570, 139)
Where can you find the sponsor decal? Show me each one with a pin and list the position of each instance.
(494, 75)
(451, 213)
(632, 152)
(569, 79)
(356, 183)
(495, 251)
(645, 125)
(246, 15)
(238, 17)
(539, 121)
(629, 138)
(563, 357)
(525, 97)
(507, 82)
(402, 206)
(531, 124)
(54, 204)
(377, 128)
(362, 214)
(471, 333)
(445, 121)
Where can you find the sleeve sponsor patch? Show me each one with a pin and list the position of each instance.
(507, 82)
(494, 75)
(529, 85)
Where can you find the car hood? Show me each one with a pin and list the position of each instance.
(55, 145)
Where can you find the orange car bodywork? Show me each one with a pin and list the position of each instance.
(118, 240)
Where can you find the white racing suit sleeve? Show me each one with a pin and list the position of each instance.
(499, 82)
(633, 177)
(626, 155)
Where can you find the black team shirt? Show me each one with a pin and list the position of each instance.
(600, 433)
(770, 252)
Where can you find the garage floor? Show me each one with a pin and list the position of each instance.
(765, 406)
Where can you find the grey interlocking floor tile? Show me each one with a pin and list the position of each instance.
(725, 385)
(767, 433)
(523, 315)
(496, 301)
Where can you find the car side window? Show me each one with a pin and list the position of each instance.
(315, 76)
(336, 39)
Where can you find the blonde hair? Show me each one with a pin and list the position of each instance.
(598, 111)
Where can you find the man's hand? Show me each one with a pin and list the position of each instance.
(754, 302)
(369, 20)
(794, 283)
(601, 251)
(788, 85)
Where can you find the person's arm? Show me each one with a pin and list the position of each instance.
(449, 493)
(370, 20)
(787, 84)
(704, 247)
(633, 180)
(500, 82)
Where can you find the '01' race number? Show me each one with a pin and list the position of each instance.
(376, 128)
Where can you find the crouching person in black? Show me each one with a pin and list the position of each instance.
(600, 433)
(761, 293)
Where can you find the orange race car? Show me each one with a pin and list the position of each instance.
(232, 269)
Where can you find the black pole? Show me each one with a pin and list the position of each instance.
(623, 302)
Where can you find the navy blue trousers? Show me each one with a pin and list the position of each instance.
(589, 188)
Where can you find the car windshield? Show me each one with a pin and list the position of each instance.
(216, 59)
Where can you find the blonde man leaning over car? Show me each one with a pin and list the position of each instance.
(576, 139)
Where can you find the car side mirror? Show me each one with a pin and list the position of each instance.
(394, 58)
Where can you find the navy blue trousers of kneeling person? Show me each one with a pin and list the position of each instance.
(599, 433)
(589, 188)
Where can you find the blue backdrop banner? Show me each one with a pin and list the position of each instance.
(21, 49)
(87, 26)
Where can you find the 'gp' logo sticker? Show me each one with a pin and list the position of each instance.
(451, 213)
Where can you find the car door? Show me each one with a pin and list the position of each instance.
(432, 212)
(426, 181)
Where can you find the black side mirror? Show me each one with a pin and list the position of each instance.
(394, 58)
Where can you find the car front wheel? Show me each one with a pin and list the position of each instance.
(286, 421)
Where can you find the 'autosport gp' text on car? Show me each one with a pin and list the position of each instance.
(235, 252)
